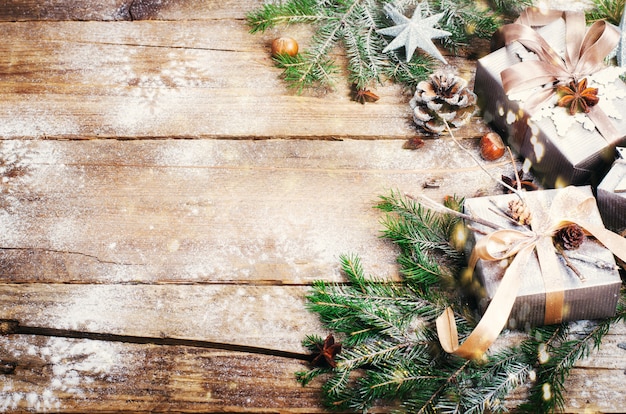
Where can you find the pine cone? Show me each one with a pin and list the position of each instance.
(442, 96)
(519, 211)
(570, 237)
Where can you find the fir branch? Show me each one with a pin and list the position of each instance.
(363, 45)
(390, 347)
(556, 357)
(336, 388)
(421, 272)
(289, 12)
(510, 8)
(609, 10)
(305, 377)
(410, 73)
(388, 309)
(503, 373)
(301, 71)
(372, 353)
(428, 257)
(355, 24)
(403, 380)
(416, 225)
(465, 20)
(430, 404)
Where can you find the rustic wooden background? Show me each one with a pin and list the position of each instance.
(159, 180)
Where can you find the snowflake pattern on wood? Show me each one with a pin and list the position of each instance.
(157, 90)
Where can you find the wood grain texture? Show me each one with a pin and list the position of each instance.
(79, 253)
(191, 79)
(77, 376)
(212, 211)
(272, 317)
(112, 10)
(113, 223)
(24, 10)
(71, 375)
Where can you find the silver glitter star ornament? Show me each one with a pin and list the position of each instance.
(414, 32)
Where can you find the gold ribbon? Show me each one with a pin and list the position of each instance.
(584, 55)
(569, 206)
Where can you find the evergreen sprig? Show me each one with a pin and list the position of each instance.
(353, 26)
(554, 350)
(465, 20)
(609, 10)
(510, 8)
(390, 348)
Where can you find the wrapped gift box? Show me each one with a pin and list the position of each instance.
(611, 195)
(592, 298)
(580, 156)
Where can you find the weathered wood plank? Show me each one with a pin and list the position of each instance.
(207, 240)
(211, 211)
(112, 10)
(170, 79)
(262, 314)
(203, 313)
(65, 375)
(191, 9)
(54, 373)
(22, 10)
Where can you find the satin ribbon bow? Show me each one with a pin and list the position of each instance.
(584, 55)
(569, 206)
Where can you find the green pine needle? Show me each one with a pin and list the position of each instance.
(390, 348)
(609, 10)
(290, 12)
(353, 25)
(303, 71)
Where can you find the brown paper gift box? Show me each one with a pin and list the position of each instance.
(612, 197)
(594, 298)
(580, 157)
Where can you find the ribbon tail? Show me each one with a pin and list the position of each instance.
(494, 319)
(555, 296)
(604, 125)
(447, 331)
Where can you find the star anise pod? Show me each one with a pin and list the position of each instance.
(362, 96)
(577, 96)
(327, 352)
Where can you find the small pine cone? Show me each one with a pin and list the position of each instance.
(570, 237)
(519, 211)
(443, 96)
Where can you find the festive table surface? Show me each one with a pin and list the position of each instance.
(167, 202)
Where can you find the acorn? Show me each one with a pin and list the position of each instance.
(284, 46)
(491, 146)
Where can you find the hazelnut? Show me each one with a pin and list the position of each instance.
(284, 46)
(491, 146)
